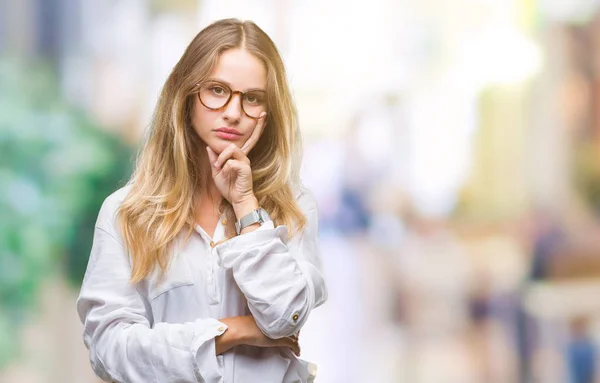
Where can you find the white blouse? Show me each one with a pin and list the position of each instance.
(165, 331)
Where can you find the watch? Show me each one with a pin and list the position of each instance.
(259, 215)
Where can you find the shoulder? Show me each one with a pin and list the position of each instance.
(109, 210)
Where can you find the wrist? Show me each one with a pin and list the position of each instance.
(245, 207)
(232, 337)
(239, 326)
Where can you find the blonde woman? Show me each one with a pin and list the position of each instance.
(206, 265)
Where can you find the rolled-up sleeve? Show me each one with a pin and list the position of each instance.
(282, 281)
(124, 343)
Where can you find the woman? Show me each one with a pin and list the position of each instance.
(206, 265)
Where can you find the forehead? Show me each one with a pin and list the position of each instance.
(240, 69)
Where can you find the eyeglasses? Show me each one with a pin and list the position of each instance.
(215, 95)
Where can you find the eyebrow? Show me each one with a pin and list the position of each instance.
(229, 85)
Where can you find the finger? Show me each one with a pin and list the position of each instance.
(256, 133)
(289, 343)
(234, 166)
(231, 151)
(286, 342)
(294, 343)
(296, 348)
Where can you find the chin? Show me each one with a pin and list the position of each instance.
(218, 145)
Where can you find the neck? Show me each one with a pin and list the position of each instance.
(210, 190)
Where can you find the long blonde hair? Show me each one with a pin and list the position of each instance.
(168, 173)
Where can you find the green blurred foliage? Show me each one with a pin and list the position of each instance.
(56, 168)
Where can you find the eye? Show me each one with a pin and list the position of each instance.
(218, 90)
(253, 98)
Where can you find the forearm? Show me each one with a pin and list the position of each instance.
(280, 287)
(282, 279)
(243, 330)
(231, 337)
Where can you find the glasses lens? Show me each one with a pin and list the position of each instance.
(214, 95)
(254, 103)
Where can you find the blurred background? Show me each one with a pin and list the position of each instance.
(453, 147)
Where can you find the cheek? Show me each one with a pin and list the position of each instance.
(203, 121)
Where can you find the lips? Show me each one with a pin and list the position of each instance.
(228, 134)
(229, 131)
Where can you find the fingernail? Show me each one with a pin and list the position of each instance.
(263, 114)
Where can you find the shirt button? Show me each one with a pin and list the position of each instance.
(221, 328)
(295, 317)
(212, 244)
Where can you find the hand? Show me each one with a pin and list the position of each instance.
(231, 170)
(247, 332)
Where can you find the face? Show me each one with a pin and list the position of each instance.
(236, 70)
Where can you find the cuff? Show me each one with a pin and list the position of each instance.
(230, 250)
(207, 367)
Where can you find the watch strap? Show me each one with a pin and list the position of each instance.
(255, 216)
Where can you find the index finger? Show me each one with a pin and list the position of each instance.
(260, 124)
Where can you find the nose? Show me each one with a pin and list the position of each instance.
(233, 110)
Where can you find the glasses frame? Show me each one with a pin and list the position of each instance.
(231, 94)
